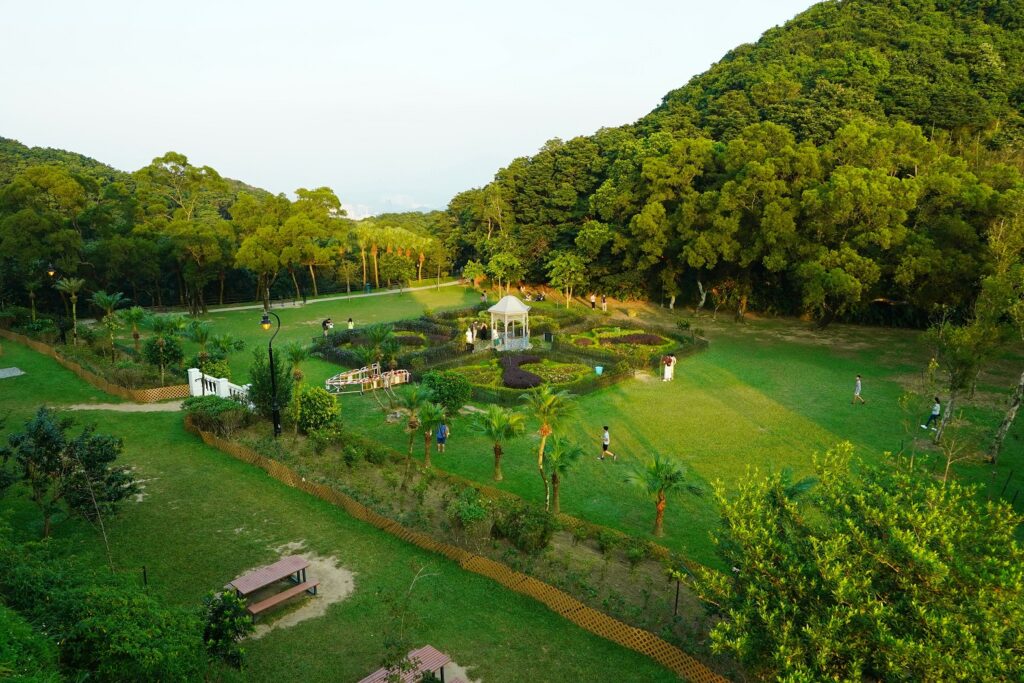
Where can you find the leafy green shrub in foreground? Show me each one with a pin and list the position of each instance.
(527, 527)
(317, 409)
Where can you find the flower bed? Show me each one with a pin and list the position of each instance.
(514, 377)
(557, 373)
(641, 338)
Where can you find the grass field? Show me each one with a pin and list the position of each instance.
(206, 518)
(765, 395)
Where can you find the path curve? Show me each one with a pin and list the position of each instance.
(169, 407)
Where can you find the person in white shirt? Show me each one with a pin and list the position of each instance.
(934, 417)
(856, 392)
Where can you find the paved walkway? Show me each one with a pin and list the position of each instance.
(168, 407)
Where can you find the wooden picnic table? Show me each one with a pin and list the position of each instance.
(292, 566)
(427, 658)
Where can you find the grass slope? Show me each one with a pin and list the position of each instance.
(206, 518)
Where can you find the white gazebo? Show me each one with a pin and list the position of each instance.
(505, 315)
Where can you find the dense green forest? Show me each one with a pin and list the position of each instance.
(859, 153)
(850, 164)
(175, 233)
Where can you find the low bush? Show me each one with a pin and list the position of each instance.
(321, 439)
(25, 654)
(526, 527)
(467, 509)
(583, 341)
(317, 409)
(410, 340)
(222, 416)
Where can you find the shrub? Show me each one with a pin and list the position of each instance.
(410, 340)
(260, 392)
(317, 408)
(132, 375)
(450, 389)
(326, 436)
(375, 454)
(583, 341)
(227, 621)
(218, 415)
(467, 509)
(349, 455)
(25, 653)
(607, 541)
(163, 352)
(514, 377)
(637, 550)
(526, 527)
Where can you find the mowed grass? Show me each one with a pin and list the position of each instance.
(765, 396)
(206, 518)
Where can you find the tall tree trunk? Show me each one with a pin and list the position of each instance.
(223, 276)
(298, 294)
(497, 462)
(1011, 415)
(74, 319)
(545, 431)
(159, 293)
(181, 288)
(348, 283)
(46, 524)
(259, 287)
(555, 481)
(423, 258)
(362, 254)
(659, 515)
(312, 276)
(946, 417)
(376, 274)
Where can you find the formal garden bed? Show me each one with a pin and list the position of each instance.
(608, 570)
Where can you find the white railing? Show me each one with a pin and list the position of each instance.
(201, 384)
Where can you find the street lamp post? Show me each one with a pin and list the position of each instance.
(275, 409)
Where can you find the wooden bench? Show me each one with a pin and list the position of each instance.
(263, 605)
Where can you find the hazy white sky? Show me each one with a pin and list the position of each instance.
(395, 105)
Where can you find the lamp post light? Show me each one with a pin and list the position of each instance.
(275, 409)
(50, 270)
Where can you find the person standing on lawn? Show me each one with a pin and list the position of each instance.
(934, 417)
(604, 303)
(593, 301)
(351, 325)
(442, 436)
(606, 441)
(856, 392)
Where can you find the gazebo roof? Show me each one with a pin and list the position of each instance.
(509, 305)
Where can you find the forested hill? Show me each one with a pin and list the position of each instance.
(858, 153)
(16, 157)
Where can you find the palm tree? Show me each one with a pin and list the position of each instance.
(134, 316)
(166, 326)
(431, 417)
(409, 404)
(296, 354)
(71, 287)
(499, 424)
(549, 407)
(107, 302)
(658, 478)
(226, 343)
(562, 457)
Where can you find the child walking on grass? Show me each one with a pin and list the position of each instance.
(856, 392)
(606, 441)
(934, 417)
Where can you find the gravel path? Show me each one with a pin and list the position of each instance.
(168, 407)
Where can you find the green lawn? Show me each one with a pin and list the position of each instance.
(765, 395)
(206, 518)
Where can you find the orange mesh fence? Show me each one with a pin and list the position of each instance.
(563, 604)
(137, 395)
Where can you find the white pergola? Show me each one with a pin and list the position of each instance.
(507, 313)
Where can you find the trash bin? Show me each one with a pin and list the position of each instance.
(549, 337)
(367, 287)
(599, 370)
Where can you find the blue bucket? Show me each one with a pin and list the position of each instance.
(599, 369)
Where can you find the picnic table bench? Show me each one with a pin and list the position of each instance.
(292, 567)
(427, 658)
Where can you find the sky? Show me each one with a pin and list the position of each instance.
(395, 105)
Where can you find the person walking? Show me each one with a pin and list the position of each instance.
(604, 303)
(326, 325)
(469, 339)
(442, 436)
(856, 392)
(934, 417)
(606, 441)
(351, 325)
(593, 301)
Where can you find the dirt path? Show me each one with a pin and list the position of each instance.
(168, 407)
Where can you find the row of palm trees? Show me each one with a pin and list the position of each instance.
(557, 455)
